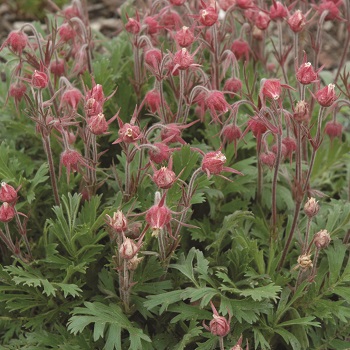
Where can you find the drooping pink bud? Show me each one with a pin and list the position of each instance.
(332, 9)
(213, 162)
(7, 193)
(7, 213)
(182, 59)
(71, 97)
(306, 74)
(233, 85)
(290, 145)
(231, 133)
(159, 153)
(226, 4)
(274, 149)
(153, 57)
(97, 124)
(170, 20)
(17, 41)
(268, 158)
(118, 222)
(297, 21)
(17, 91)
(70, 159)
(66, 32)
(219, 325)
(333, 129)
(153, 100)
(177, 2)
(158, 216)
(172, 133)
(245, 4)
(326, 96)
(215, 101)
(271, 88)
(152, 25)
(241, 49)
(262, 20)
(128, 249)
(164, 178)
(278, 11)
(184, 37)
(57, 68)
(40, 79)
(133, 26)
(257, 127)
(208, 16)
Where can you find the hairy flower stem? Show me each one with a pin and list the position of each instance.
(318, 40)
(162, 245)
(216, 55)
(137, 71)
(181, 95)
(298, 155)
(291, 234)
(48, 152)
(126, 286)
(306, 239)
(221, 342)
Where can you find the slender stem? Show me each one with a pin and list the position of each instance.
(162, 245)
(215, 55)
(181, 95)
(291, 234)
(48, 151)
(221, 341)
(306, 240)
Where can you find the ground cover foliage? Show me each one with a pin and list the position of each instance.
(182, 185)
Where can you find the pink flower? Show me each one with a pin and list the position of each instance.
(153, 100)
(231, 133)
(177, 2)
(17, 41)
(245, 4)
(170, 19)
(208, 16)
(172, 132)
(219, 325)
(17, 91)
(40, 79)
(268, 158)
(182, 59)
(152, 25)
(326, 96)
(164, 178)
(290, 145)
(72, 160)
(215, 102)
(271, 88)
(278, 11)
(128, 132)
(306, 74)
(257, 127)
(233, 85)
(57, 67)
(153, 57)
(159, 153)
(184, 37)
(262, 20)
(71, 97)
(66, 32)
(159, 215)
(97, 124)
(133, 26)
(128, 249)
(297, 21)
(241, 49)
(213, 163)
(7, 213)
(7, 193)
(118, 222)
(333, 129)
(301, 112)
(332, 7)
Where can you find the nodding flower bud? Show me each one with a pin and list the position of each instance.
(311, 207)
(215, 101)
(332, 8)
(128, 249)
(290, 145)
(17, 91)
(153, 100)
(219, 325)
(208, 16)
(326, 96)
(133, 26)
(66, 32)
(164, 178)
(268, 158)
(240, 48)
(97, 124)
(159, 153)
(71, 97)
(182, 59)
(70, 159)
(333, 129)
(271, 88)
(257, 127)
(17, 41)
(306, 74)
(7, 213)
(301, 112)
(40, 79)
(153, 57)
(213, 162)
(57, 67)
(152, 25)
(262, 20)
(184, 37)
(245, 4)
(230, 133)
(158, 216)
(118, 222)
(322, 239)
(233, 85)
(297, 21)
(7, 193)
(278, 11)
(226, 4)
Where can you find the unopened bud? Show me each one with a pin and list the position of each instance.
(304, 261)
(7, 193)
(118, 222)
(128, 249)
(322, 239)
(311, 207)
(7, 212)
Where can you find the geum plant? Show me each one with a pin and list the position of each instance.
(182, 185)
